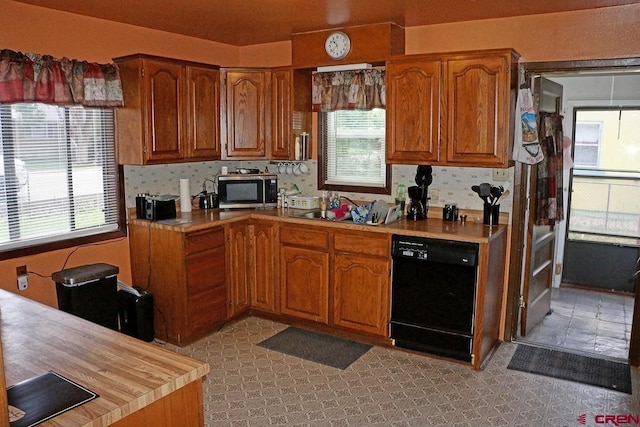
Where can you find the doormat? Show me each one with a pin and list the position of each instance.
(572, 367)
(324, 349)
(40, 398)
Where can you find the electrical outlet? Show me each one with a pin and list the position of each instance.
(501, 174)
(434, 195)
(23, 278)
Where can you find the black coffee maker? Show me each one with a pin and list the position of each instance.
(419, 194)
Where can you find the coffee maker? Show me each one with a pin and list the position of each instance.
(419, 194)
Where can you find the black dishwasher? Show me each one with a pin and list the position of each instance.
(433, 293)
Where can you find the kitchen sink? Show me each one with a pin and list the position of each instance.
(316, 214)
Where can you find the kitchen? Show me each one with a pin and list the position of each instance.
(615, 27)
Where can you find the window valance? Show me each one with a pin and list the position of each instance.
(33, 77)
(348, 90)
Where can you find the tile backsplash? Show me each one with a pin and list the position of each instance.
(452, 184)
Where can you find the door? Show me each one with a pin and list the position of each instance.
(540, 239)
(204, 113)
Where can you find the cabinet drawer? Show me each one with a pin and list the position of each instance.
(199, 241)
(205, 271)
(304, 237)
(363, 243)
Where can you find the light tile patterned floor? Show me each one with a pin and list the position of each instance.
(589, 321)
(252, 386)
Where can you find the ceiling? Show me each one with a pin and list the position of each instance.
(247, 22)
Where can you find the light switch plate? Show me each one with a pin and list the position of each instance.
(501, 174)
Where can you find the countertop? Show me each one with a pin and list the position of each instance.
(127, 373)
(432, 227)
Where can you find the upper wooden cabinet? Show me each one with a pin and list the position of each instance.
(170, 113)
(481, 90)
(452, 109)
(244, 108)
(413, 111)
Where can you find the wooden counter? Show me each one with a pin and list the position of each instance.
(139, 384)
(432, 227)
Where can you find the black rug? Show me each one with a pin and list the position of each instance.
(325, 349)
(572, 367)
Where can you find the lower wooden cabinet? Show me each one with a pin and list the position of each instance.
(237, 257)
(186, 274)
(304, 273)
(263, 266)
(361, 270)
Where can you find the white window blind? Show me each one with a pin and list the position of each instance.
(58, 174)
(355, 148)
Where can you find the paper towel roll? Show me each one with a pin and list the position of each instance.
(185, 195)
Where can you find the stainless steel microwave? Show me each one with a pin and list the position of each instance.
(247, 191)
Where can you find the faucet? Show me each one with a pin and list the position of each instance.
(350, 201)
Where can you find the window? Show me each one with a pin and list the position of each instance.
(587, 145)
(58, 177)
(353, 151)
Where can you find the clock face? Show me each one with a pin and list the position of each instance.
(337, 45)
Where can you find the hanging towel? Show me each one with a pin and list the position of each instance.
(526, 147)
(549, 185)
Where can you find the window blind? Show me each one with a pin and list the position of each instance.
(58, 173)
(355, 147)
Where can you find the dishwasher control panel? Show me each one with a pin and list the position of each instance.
(436, 250)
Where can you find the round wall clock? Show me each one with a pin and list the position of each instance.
(337, 45)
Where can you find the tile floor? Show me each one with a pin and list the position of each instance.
(586, 321)
(251, 386)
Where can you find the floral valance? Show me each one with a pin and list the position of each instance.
(348, 90)
(41, 78)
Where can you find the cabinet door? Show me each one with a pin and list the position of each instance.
(281, 115)
(263, 264)
(245, 109)
(304, 283)
(478, 111)
(206, 290)
(203, 113)
(164, 111)
(361, 293)
(237, 261)
(413, 111)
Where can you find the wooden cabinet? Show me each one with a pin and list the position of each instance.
(244, 109)
(170, 113)
(452, 109)
(290, 110)
(237, 264)
(413, 111)
(480, 103)
(263, 266)
(361, 270)
(186, 274)
(203, 113)
(304, 273)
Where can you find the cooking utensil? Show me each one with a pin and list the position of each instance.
(379, 211)
(496, 192)
(485, 191)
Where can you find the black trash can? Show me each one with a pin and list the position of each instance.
(90, 292)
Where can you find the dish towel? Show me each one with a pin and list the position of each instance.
(526, 147)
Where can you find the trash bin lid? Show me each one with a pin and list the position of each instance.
(84, 273)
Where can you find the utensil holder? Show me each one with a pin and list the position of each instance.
(491, 214)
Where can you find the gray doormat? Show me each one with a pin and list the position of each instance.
(572, 367)
(325, 349)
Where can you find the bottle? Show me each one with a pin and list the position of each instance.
(400, 198)
(323, 201)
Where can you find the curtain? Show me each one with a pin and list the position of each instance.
(41, 78)
(348, 90)
(549, 184)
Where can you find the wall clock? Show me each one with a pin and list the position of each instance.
(337, 45)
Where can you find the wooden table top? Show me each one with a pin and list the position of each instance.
(127, 373)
